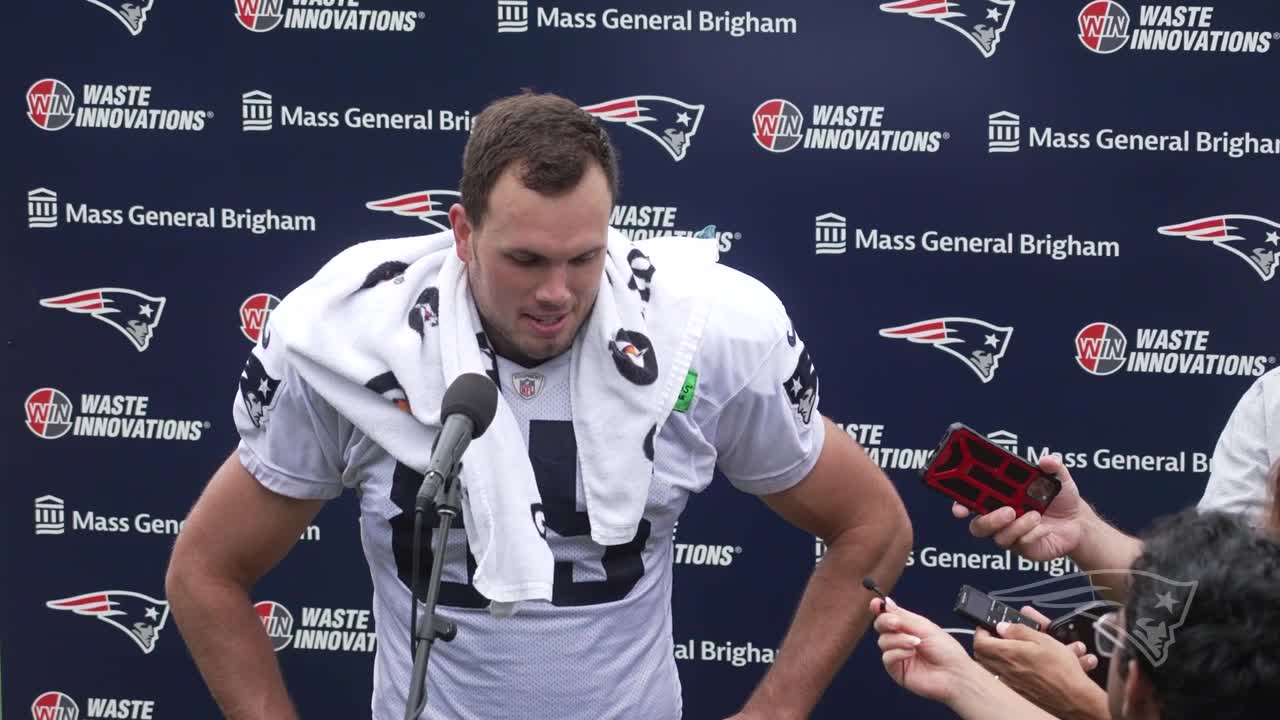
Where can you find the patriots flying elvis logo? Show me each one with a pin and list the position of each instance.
(982, 21)
(139, 616)
(132, 313)
(429, 206)
(131, 13)
(1256, 240)
(670, 122)
(979, 345)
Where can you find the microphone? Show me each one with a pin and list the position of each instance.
(468, 407)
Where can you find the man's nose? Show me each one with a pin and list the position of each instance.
(554, 288)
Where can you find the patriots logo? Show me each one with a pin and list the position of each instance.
(134, 314)
(136, 615)
(1254, 239)
(133, 13)
(257, 389)
(671, 122)
(641, 273)
(429, 206)
(964, 16)
(1151, 636)
(802, 386)
(384, 272)
(425, 312)
(979, 344)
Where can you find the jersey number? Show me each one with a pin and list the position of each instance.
(553, 451)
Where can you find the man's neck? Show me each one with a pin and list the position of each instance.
(507, 350)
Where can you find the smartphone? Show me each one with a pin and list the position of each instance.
(977, 607)
(1077, 626)
(982, 476)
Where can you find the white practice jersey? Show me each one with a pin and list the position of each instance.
(602, 648)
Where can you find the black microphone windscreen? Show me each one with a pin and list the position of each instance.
(473, 395)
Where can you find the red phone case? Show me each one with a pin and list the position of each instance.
(983, 476)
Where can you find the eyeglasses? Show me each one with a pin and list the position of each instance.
(1108, 636)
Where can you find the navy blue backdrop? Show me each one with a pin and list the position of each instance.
(1082, 195)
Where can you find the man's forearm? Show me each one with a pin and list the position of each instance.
(1090, 704)
(234, 655)
(832, 616)
(1104, 547)
(980, 696)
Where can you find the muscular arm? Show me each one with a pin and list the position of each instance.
(237, 531)
(850, 503)
(1103, 547)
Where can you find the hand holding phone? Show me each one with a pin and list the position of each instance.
(1078, 626)
(982, 476)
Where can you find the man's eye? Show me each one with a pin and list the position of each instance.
(584, 259)
(523, 259)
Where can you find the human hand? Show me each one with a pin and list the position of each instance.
(919, 655)
(1038, 667)
(1055, 534)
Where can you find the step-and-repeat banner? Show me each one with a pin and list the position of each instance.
(1055, 221)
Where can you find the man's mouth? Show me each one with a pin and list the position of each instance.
(546, 324)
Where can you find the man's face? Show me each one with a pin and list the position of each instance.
(1129, 696)
(1116, 683)
(535, 264)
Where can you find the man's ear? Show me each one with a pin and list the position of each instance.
(1139, 696)
(462, 232)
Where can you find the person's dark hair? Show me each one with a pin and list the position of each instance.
(549, 138)
(1224, 661)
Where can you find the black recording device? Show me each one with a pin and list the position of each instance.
(977, 607)
(1077, 626)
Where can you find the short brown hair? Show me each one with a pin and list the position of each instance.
(549, 136)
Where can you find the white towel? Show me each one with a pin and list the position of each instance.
(393, 320)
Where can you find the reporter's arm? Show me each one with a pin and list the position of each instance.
(237, 531)
(980, 696)
(1104, 547)
(925, 659)
(1069, 527)
(1039, 668)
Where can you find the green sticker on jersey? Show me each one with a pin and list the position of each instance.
(685, 399)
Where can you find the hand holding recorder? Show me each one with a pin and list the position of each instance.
(925, 659)
(1060, 678)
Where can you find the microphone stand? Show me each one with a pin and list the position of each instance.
(429, 627)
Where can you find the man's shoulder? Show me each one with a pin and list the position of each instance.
(745, 326)
(402, 249)
(744, 311)
(1270, 383)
